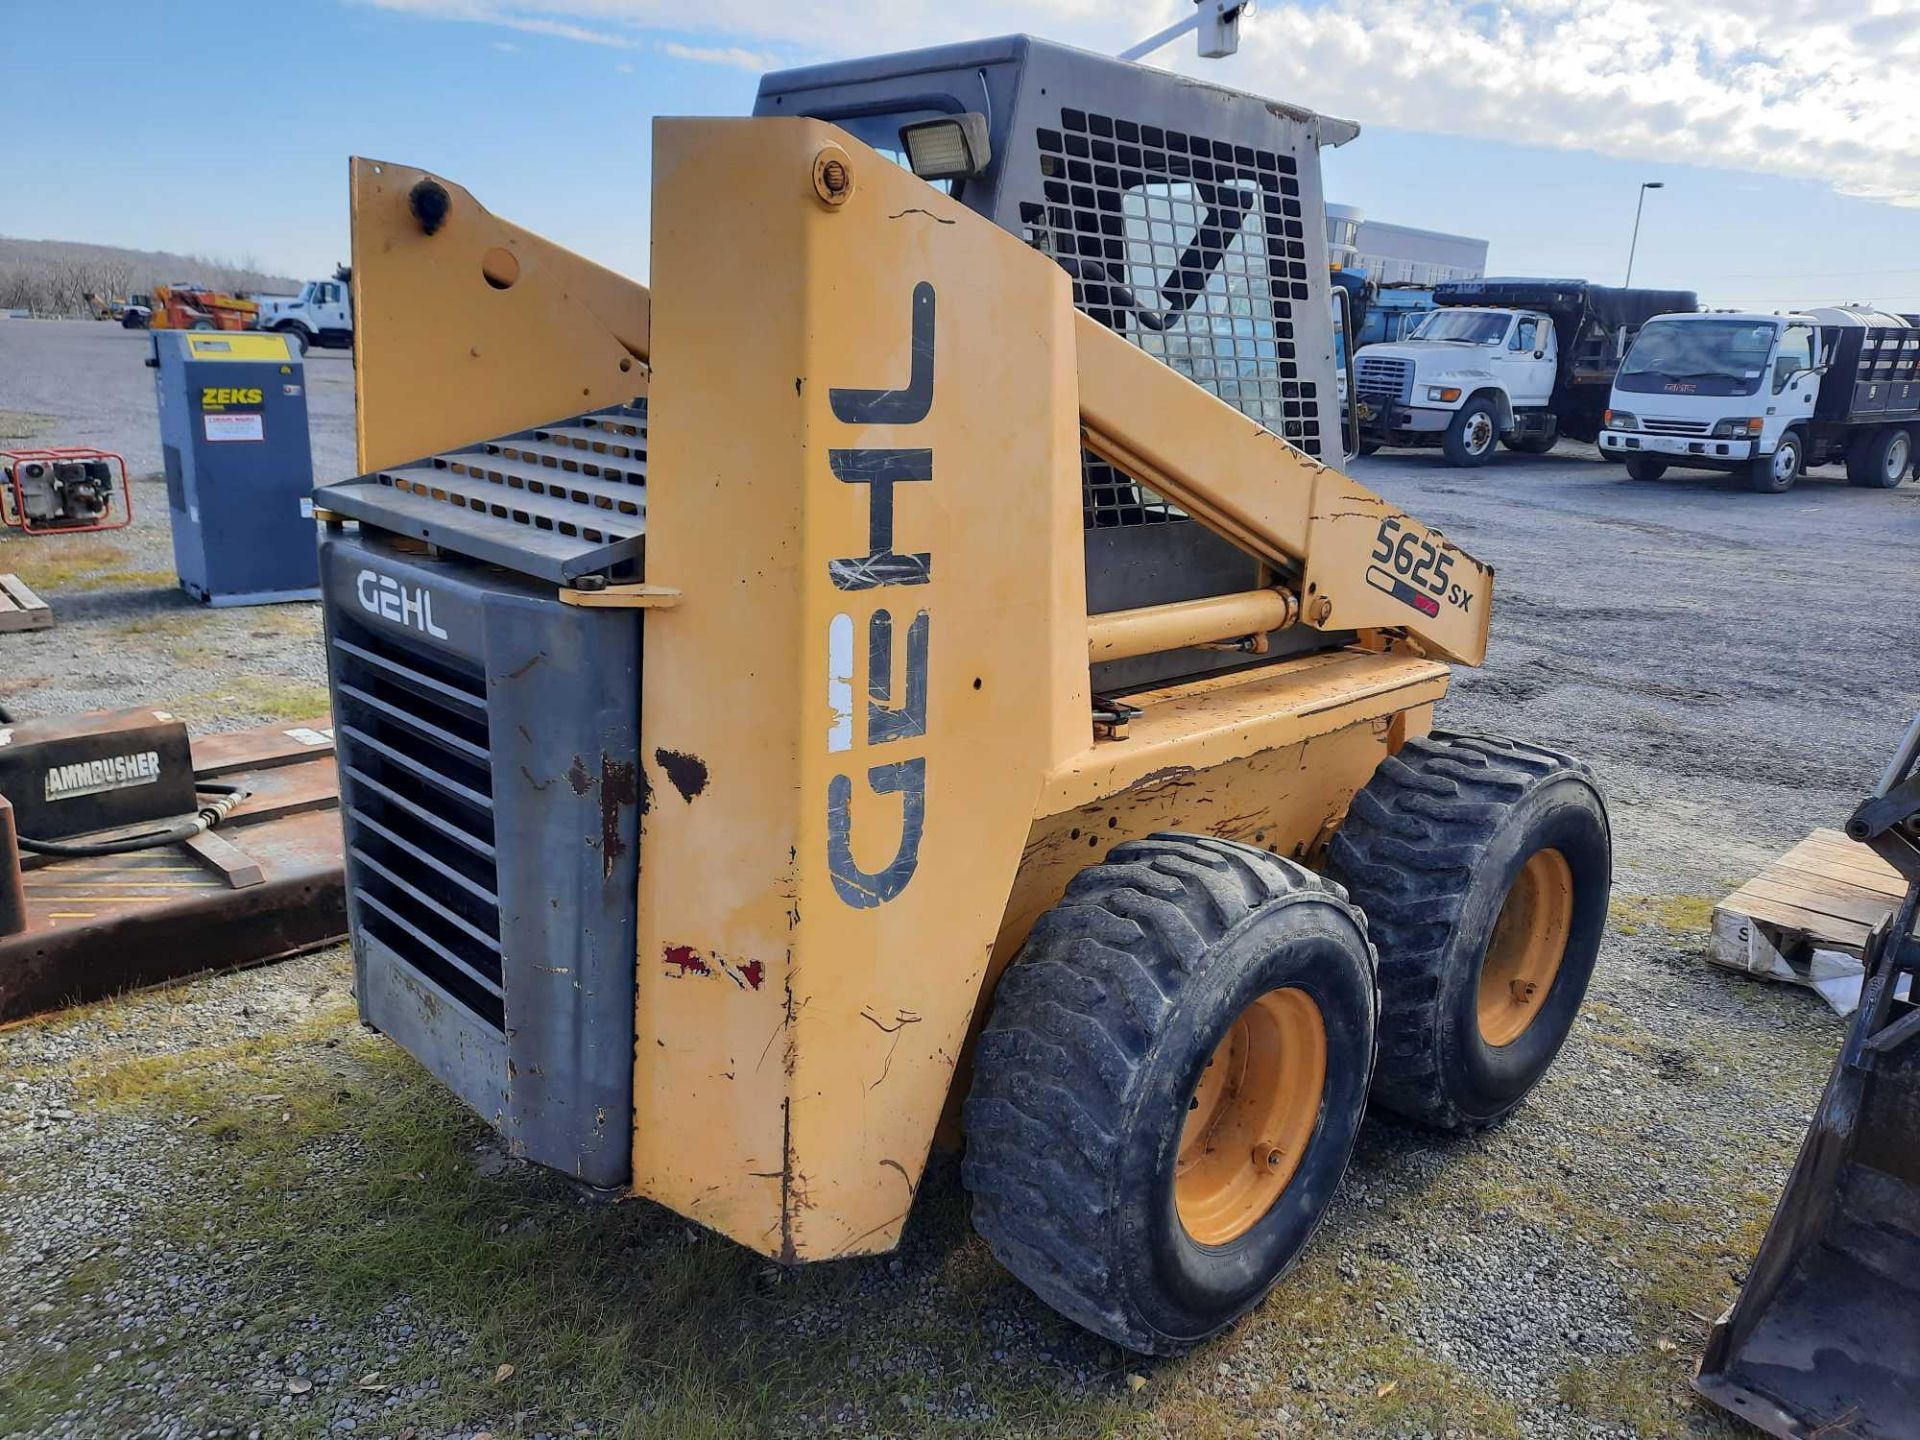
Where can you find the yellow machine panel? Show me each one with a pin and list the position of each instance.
(466, 325)
(879, 654)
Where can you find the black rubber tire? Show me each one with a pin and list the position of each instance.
(1083, 1075)
(297, 339)
(1881, 459)
(1369, 447)
(1764, 471)
(1455, 442)
(1535, 444)
(1641, 468)
(201, 325)
(1428, 850)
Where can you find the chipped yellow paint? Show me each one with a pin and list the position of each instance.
(796, 1116)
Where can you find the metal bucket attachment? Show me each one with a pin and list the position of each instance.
(1825, 1338)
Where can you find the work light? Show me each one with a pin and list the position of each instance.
(954, 147)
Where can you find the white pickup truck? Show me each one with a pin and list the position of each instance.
(321, 314)
(1766, 396)
(1519, 362)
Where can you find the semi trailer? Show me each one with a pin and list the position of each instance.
(1767, 396)
(1515, 361)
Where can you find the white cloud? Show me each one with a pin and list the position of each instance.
(1818, 91)
(756, 61)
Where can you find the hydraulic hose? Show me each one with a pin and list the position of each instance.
(173, 833)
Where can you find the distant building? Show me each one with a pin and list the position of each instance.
(1400, 254)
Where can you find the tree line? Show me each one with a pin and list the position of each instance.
(50, 278)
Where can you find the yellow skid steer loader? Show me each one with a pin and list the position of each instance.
(915, 668)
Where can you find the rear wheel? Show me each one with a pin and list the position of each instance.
(1470, 438)
(1484, 867)
(1774, 474)
(1639, 467)
(1368, 447)
(201, 325)
(1168, 1089)
(1881, 459)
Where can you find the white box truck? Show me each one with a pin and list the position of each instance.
(1514, 361)
(1767, 396)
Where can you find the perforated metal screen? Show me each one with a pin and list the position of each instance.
(1195, 250)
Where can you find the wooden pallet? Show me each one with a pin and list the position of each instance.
(20, 608)
(1826, 893)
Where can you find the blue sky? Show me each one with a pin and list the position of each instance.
(542, 108)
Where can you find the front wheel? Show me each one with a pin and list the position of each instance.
(296, 339)
(1774, 474)
(1168, 1090)
(1484, 867)
(1470, 438)
(1880, 460)
(1639, 467)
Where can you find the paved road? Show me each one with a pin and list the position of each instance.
(1737, 665)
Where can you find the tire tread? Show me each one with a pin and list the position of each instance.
(1073, 1018)
(1412, 841)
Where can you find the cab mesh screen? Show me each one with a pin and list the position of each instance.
(1194, 250)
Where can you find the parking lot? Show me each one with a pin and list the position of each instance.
(225, 1209)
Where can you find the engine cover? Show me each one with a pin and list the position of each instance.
(100, 771)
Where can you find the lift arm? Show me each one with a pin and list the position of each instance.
(469, 325)
(1360, 563)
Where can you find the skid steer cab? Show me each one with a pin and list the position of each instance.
(914, 670)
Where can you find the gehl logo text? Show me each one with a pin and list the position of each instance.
(892, 723)
(409, 605)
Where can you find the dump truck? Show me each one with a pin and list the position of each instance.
(1766, 396)
(911, 675)
(1518, 362)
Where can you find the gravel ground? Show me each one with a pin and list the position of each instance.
(225, 1210)
(125, 630)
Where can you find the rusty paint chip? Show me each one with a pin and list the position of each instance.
(687, 772)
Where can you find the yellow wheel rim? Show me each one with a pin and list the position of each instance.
(1529, 941)
(1250, 1116)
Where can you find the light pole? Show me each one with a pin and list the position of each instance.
(1645, 185)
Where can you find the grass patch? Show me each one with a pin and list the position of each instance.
(1344, 1326)
(346, 1176)
(65, 562)
(1680, 1260)
(271, 697)
(19, 426)
(1681, 914)
(29, 1396)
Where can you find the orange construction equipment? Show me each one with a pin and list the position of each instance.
(195, 307)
